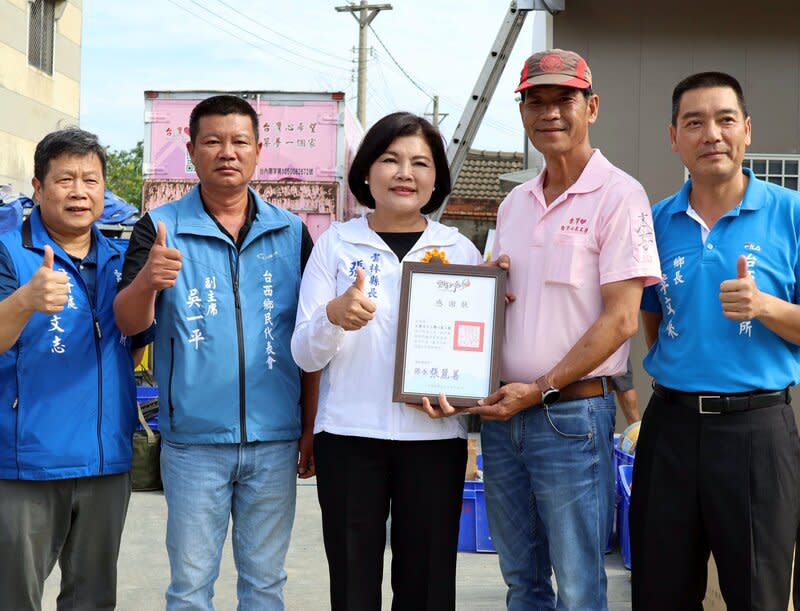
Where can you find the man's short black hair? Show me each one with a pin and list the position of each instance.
(70, 141)
(378, 139)
(704, 80)
(221, 105)
(587, 93)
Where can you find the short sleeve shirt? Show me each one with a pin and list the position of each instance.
(598, 231)
(697, 348)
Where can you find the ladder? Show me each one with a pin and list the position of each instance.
(486, 84)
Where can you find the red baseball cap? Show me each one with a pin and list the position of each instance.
(555, 67)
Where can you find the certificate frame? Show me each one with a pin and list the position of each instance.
(484, 333)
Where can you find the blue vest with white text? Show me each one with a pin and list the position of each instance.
(67, 394)
(223, 332)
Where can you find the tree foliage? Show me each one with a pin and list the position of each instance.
(124, 173)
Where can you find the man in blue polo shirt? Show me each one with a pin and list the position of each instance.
(718, 460)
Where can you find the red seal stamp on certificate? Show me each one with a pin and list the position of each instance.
(468, 336)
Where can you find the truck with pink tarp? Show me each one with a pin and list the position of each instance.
(308, 140)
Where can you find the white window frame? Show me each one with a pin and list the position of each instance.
(777, 176)
(775, 170)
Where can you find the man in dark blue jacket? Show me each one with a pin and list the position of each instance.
(67, 395)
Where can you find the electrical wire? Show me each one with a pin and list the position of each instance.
(277, 33)
(399, 67)
(234, 35)
(262, 39)
(387, 88)
(460, 108)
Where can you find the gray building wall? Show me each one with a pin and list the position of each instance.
(639, 50)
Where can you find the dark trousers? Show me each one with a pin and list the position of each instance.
(726, 484)
(75, 521)
(359, 481)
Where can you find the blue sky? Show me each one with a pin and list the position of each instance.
(294, 45)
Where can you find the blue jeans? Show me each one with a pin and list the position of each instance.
(206, 485)
(549, 498)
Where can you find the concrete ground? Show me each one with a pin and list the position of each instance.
(144, 568)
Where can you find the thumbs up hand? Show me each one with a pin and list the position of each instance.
(47, 290)
(352, 310)
(740, 297)
(161, 269)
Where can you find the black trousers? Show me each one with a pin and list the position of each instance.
(76, 521)
(727, 484)
(359, 482)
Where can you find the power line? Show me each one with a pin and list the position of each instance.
(234, 35)
(269, 42)
(399, 67)
(498, 125)
(388, 89)
(277, 33)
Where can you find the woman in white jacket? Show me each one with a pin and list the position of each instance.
(374, 456)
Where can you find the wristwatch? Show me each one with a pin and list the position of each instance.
(550, 394)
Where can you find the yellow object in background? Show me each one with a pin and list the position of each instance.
(629, 437)
(144, 364)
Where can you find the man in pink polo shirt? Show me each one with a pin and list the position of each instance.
(580, 242)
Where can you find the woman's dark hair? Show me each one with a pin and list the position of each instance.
(378, 139)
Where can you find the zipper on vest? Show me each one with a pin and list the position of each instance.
(169, 387)
(16, 410)
(240, 337)
(97, 335)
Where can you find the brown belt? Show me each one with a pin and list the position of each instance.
(583, 389)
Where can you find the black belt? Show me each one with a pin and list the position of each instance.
(710, 403)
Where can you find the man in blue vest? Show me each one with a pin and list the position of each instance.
(67, 395)
(219, 269)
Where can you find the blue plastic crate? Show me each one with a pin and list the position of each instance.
(146, 393)
(483, 538)
(473, 533)
(466, 527)
(621, 458)
(143, 395)
(625, 477)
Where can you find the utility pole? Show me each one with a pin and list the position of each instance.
(436, 115)
(366, 13)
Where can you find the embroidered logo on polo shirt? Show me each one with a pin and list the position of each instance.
(644, 238)
(576, 224)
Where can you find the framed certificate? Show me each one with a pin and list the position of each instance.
(449, 333)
